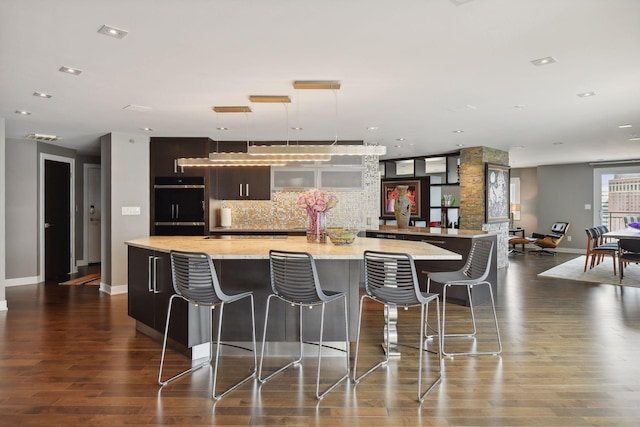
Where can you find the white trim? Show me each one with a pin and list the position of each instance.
(3, 305)
(20, 281)
(72, 202)
(113, 290)
(85, 216)
(81, 262)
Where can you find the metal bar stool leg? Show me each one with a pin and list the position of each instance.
(346, 374)
(423, 317)
(164, 350)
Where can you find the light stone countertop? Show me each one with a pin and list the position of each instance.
(258, 248)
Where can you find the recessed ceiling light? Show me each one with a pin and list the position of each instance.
(23, 113)
(70, 70)
(518, 107)
(544, 61)
(138, 108)
(43, 137)
(296, 128)
(147, 129)
(457, 131)
(222, 128)
(624, 126)
(398, 146)
(558, 143)
(459, 145)
(42, 95)
(586, 94)
(110, 31)
(634, 138)
(372, 128)
(399, 139)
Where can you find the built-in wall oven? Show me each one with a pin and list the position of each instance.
(179, 206)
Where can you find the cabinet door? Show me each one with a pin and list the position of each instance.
(163, 157)
(244, 183)
(140, 286)
(258, 180)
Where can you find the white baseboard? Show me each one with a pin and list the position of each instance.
(3, 305)
(114, 290)
(20, 281)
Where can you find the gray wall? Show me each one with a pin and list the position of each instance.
(557, 193)
(3, 223)
(22, 211)
(127, 173)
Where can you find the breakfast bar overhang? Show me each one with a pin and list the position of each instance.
(243, 264)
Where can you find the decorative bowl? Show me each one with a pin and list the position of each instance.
(342, 235)
(634, 224)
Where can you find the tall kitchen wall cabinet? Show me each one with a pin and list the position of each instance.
(169, 185)
(240, 183)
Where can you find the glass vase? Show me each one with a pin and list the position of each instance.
(316, 232)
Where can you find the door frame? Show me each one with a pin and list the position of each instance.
(85, 239)
(72, 184)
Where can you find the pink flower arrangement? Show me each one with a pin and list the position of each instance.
(317, 201)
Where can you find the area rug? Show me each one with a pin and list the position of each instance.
(602, 273)
(84, 280)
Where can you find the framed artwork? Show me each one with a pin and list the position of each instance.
(496, 193)
(389, 194)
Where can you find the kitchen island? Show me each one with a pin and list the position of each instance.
(242, 263)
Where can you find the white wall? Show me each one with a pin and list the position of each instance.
(129, 186)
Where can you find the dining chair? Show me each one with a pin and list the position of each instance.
(628, 252)
(596, 249)
(195, 281)
(390, 279)
(474, 273)
(294, 280)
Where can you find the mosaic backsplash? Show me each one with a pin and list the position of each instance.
(359, 209)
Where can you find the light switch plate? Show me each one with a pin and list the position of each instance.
(131, 210)
(587, 206)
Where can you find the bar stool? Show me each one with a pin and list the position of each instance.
(195, 281)
(294, 280)
(474, 273)
(390, 279)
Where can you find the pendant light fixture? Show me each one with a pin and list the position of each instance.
(308, 151)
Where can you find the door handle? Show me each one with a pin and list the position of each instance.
(150, 279)
(247, 189)
(240, 190)
(175, 165)
(173, 211)
(47, 225)
(155, 275)
(177, 211)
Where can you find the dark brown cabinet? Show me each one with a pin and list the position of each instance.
(240, 183)
(150, 288)
(243, 183)
(165, 153)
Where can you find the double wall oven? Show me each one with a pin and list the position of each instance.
(179, 206)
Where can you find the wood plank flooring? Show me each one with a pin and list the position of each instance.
(70, 355)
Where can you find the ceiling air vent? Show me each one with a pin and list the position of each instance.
(43, 137)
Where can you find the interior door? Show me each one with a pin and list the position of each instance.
(94, 213)
(57, 215)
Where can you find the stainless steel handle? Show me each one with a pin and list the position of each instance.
(247, 189)
(175, 165)
(47, 225)
(173, 211)
(177, 211)
(150, 275)
(155, 275)
(240, 190)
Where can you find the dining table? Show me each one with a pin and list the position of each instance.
(625, 233)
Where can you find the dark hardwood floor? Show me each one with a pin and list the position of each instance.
(70, 355)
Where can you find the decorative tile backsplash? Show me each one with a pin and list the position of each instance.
(359, 209)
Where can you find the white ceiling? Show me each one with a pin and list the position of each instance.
(415, 69)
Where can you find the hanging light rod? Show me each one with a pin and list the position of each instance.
(227, 160)
(316, 84)
(232, 109)
(270, 98)
(315, 150)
